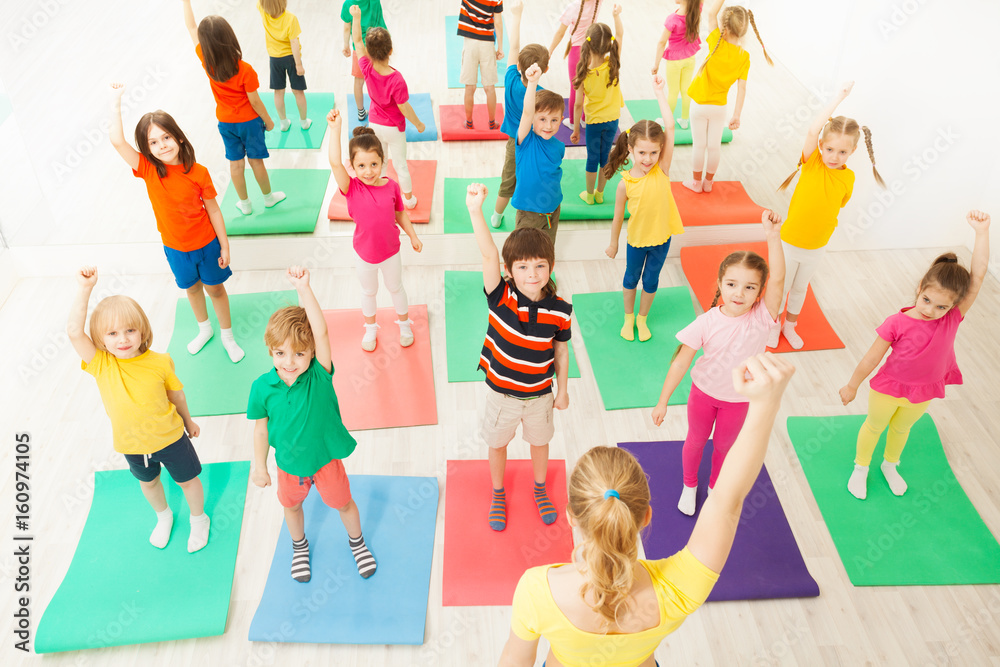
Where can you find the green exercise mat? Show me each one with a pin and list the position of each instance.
(466, 318)
(931, 535)
(456, 214)
(574, 181)
(213, 384)
(317, 106)
(631, 374)
(298, 213)
(650, 110)
(121, 590)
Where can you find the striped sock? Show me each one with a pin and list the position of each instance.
(300, 560)
(498, 510)
(362, 556)
(545, 506)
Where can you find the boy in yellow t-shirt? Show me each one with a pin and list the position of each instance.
(282, 30)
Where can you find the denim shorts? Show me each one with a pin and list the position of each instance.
(179, 458)
(281, 66)
(246, 138)
(197, 265)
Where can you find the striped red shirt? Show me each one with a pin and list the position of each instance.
(475, 19)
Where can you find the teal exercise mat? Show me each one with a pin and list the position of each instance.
(466, 317)
(456, 213)
(631, 374)
(317, 106)
(305, 190)
(213, 384)
(574, 181)
(931, 535)
(453, 54)
(650, 110)
(122, 590)
(421, 103)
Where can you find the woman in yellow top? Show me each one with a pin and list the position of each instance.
(727, 63)
(599, 95)
(653, 214)
(282, 31)
(609, 604)
(825, 186)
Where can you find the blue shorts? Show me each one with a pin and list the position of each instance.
(646, 262)
(179, 458)
(197, 265)
(246, 138)
(281, 66)
(600, 136)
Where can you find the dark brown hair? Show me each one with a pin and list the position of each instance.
(529, 243)
(219, 47)
(530, 55)
(378, 43)
(364, 139)
(600, 41)
(947, 274)
(292, 324)
(549, 100)
(644, 129)
(847, 127)
(692, 20)
(166, 122)
(579, 15)
(749, 259)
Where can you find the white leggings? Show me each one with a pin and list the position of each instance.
(800, 266)
(392, 276)
(394, 142)
(707, 123)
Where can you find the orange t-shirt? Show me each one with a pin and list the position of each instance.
(231, 102)
(178, 202)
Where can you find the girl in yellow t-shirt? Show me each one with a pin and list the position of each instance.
(825, 186)
(608, 603)
(653, 214)
(282, 30)
(727, 63)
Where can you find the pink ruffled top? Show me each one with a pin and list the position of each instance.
(922, 360)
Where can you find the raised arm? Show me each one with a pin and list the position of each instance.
(980, 222)
(775, 288)
(116, 133)
(533, 74)
(661, 46)
(711, 12)
(359, 44)
(678, 368)
(299, 278)
(474, 198)
(668, 124)
(334, 120)
(812, 134)
(516, 8)
(621, 199)
(189, 22)
(619, 26)
(86, 278)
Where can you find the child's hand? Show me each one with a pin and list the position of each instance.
(847, 394)
(300, 70)
(978, 220)
(192, 429)
(224, 258)
(769, 374)
(86, 276)
(475, 195)
(298, 276)
(417, 244)
(617, 10)
(516, 7)
(734, 123)
(658, 83)
(771, 221)
(845, 89)
(611, 250)
(117, 89)
(346, 51)
(499, 54)
(268, 125)
(334, 120)
(533, 73)
(575, 137)
(260, 477)
(659, 412)
(561, 401)
(420, 126)
(355, 11)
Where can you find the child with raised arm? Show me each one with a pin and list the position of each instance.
(678, 45)
(922, 361)
(527, 343)
(371, 17)
(282, 30)
(243, 118)
(579, 15)
(187, 216)
(480, 23)
(145, 402)
(738, 328)
(296, 412)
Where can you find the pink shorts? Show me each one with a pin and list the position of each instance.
(355, 67)
(331, 482)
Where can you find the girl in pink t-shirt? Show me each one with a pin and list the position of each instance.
(738, 328)
(578, 15)
(922, 338)
(678, 45)
(376, 206)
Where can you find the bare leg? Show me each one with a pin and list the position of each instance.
(239, 179)
(498, 465)
(220, 302)
(194, 493)
(629, 298)
(359, 93)
(260, 173)
(539, 462)
(491, 101)
(501, 205)
(591, 179)
(791, 317)
(601, 180)
(470, 98)
(196, 297)
(279, 103)
(296, 522)
(300, 102)
(352, 519)
(645, 302)
(154, 494)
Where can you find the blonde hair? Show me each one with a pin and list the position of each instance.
(274, 8)
(611, 524)
(734, 21)
(289, 324)
(119, 311)
(847, 127)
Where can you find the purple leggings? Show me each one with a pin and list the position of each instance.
(574, 59)
(703, 411)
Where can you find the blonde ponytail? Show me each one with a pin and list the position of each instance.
(753, 24)
(871, 155)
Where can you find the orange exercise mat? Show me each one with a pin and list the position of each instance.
(727, 204)
(453, 124)
(392, 386)
(421, 173)
(701, 266)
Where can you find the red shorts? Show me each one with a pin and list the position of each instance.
(331, 482)
(355, 67)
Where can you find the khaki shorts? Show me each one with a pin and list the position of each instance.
(508, 177)
(503, 413)
(482, 56)
(547, 222)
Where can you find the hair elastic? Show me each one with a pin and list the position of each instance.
(588, 39)
(612, 38)
(946, 260)
(611, 493)
(627, 130)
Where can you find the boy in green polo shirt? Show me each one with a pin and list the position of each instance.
(297, 413)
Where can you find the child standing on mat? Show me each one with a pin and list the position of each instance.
(282, 30)
(727, 63)
(678, 45)
(527, 343)
(371, 17)
(187, 216)
(734, 330)
(607, 602)
(653, 215)
(297, 413)
(376, 206)
(390, 108)
(145, 402)
(243, 119)
(579, 15)
(922, 361)
(480, 23)
(598, 92)
(825, 186)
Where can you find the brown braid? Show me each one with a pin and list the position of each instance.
(569, 44)
(709, 56)
(753, 24)
(871, 155)
(788, 180)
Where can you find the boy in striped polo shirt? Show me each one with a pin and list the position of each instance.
(480, 22)
(527, 343)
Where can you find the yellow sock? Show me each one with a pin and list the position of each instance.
(598, 196)
(587, 197)
(627, 332)
(644, 332)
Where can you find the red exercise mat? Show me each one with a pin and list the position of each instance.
(392, 386)
(482, 566)
(701, 266)
(421, 173)
(453, 123)
(727, 204)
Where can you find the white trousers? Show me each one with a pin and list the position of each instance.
(392, 276)
(707, 123)
(394, 142)
(800, 265)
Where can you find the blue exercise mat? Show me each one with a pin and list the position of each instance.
(337, 606)
(421, 103)
(453, 53)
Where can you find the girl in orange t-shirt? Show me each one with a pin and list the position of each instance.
(187, 215)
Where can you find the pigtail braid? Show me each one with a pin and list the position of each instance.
(618, 157)
(709, 56)
(788, 180)
(718, 295)
(579, 15)
(871, 155)
(753, 24)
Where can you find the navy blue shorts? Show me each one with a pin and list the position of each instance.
(179, 458)
(600, 137)
(281, 66)
(246, 138)
(645, 262)
(197, 265)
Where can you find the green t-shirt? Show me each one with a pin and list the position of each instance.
(303, 421)
(371, 15)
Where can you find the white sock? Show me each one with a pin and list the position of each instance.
(368, 343)
(688, 498)
(706, 185)
(682, 123)
(285, 124)
(233, 349)
(693, 185)
(244, 205)
(496, 220)
(273, 197)
(788, 329)
(199, 532)
(205, 334)
(858, 483)
(161, 533)
(410, 202)
(896, 483)
(306, 123)
(405, 333)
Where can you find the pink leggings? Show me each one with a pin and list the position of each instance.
(703, 411)
(574, 60)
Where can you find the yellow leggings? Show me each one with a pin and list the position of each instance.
(679, 73)
(898, 414)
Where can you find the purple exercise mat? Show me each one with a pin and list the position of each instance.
(765, 562)
(563, 133)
